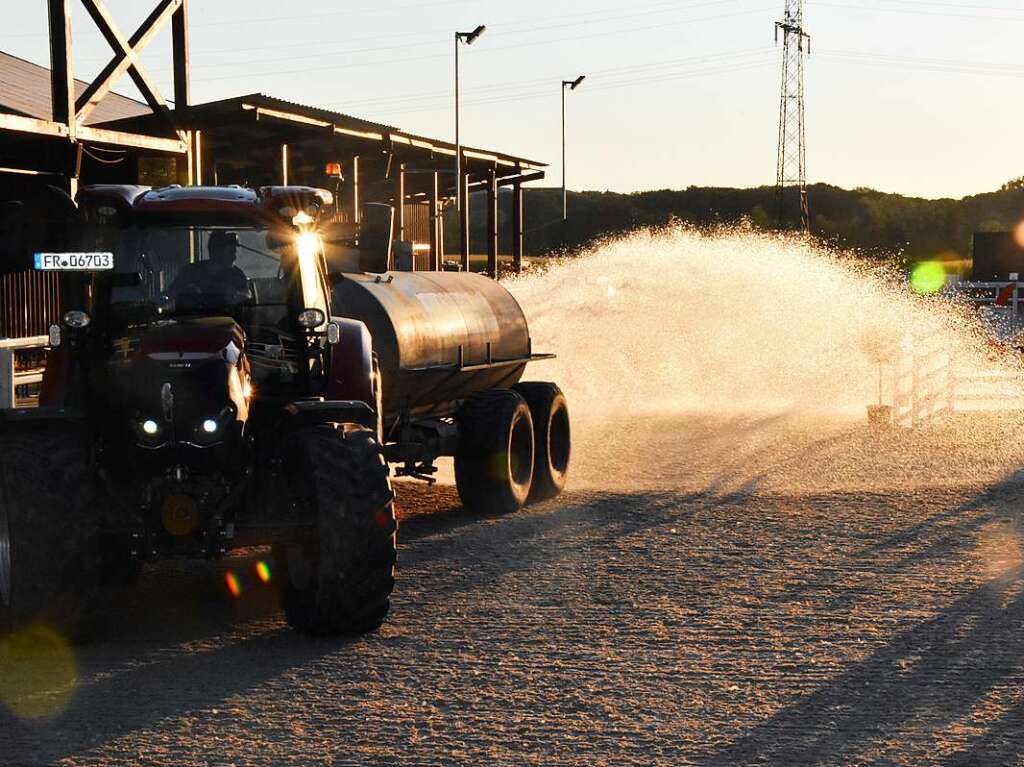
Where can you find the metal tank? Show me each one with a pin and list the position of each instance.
(439, 336)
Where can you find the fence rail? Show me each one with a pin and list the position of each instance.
(11, 378)
(927, 384)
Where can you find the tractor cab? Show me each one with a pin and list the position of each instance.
(173, 275)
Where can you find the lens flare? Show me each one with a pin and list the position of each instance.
(263, 572)
(928, 278)
(38, 673)
(233, 584)
(1018, 234)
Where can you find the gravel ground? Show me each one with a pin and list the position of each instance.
(713, 591)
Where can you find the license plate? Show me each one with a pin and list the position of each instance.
(74, 262)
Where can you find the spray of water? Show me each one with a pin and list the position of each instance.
(745, 334)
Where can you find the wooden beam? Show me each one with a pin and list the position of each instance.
(20, 124)
(62, 79)
(182, 74)
(133, 140)
(492, 225)
(109, 29)
(522, 178)
(126, 56)
(284, 164)
(517, 228)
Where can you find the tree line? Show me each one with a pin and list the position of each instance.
(874, 223)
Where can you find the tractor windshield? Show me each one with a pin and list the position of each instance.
(177, 271)
(200, 270)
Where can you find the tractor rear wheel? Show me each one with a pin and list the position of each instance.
(494, 460)
(48, 552)
(552, 437)
(340, 581)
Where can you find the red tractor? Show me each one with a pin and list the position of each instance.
(214, 385)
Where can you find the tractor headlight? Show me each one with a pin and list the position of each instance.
(149, 433)
(307, 244)
(210, 431)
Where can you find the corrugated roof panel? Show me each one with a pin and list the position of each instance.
(25, 90)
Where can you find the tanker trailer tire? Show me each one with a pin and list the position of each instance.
(494, 460)
(49, 563)
(552, 437)
(340, 582)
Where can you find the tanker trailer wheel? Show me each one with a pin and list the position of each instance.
(552, 437)
(494, 460)
(48, 553)
(339, 582)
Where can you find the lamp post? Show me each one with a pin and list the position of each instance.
(573, 85)
(467, 38)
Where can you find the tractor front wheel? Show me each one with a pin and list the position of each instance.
(340, 581)
(48, 551)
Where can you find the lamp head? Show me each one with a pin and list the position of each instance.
(574, 84)
(471, 37)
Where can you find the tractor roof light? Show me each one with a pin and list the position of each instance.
(311, 319)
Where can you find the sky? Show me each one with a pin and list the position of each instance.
(909, 96)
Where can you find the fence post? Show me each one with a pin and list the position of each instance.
(7, 401)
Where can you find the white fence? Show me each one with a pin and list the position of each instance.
(988, 293)
(927, 383)
(924, 380)
(11, 379)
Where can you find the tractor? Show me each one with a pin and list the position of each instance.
(214, 384)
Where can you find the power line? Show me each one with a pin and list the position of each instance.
(490, 49)
(545, 82)
(757, 63)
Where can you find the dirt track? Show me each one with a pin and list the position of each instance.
(763, 595)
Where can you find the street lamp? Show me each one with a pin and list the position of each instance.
(573, 85)
(467, 38)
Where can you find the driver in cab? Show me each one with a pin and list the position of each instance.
(217, 277)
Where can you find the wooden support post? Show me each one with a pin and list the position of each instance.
(179, 39)
(464, 239)
(7, 398)
(355, 190)
(197, 157)
(435, 213)
(399, 197)
(76, 171)
(492, 224)
(517, 228)
(62, 80)
(284, 164)
(439, 257)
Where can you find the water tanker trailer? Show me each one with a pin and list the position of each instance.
(215, 385)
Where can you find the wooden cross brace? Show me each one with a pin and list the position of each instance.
(126, 59)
